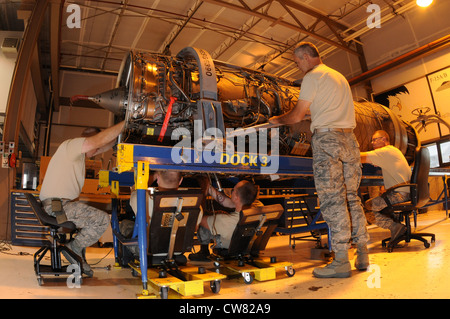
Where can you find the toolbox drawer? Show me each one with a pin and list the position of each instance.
(26, 230)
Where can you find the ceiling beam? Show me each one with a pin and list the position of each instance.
(123, 8)
(246, 27)
(291, 26)
(313, 13)
(165, 48)
(193, 22)
(143, 26)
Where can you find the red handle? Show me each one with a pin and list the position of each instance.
(166, 119)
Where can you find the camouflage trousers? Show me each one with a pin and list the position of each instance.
(376, 204)
(337, 176)
(90, 222)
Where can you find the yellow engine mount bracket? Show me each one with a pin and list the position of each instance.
(142, 175)
(125, 157)
(103, 178)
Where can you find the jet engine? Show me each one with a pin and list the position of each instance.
(158, 94)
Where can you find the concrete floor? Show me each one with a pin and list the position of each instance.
(408, 272)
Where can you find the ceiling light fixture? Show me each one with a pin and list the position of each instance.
(424, 3)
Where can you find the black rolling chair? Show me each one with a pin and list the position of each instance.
(252, 232)
(420, 195)
(172, 227)
(55, 246)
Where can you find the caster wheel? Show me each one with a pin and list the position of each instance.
(427, 245)
(290, 271)
(215, 286)
(134, 273)
(40, 280)
(248, 278)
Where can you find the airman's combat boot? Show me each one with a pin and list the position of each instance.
(362, 257)
(339, 268)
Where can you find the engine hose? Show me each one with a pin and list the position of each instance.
(172, 80)
(277, 98)
(78, 98)
(261, 101)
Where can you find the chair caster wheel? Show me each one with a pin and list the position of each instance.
(290, 271)
(215, 286)
(248, 278)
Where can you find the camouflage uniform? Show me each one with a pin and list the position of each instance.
(90, 221)
(337, 175)
(377, 204)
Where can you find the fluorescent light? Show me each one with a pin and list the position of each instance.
(424, 3)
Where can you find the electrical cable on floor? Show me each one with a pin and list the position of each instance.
(5, 247)
(106, 267)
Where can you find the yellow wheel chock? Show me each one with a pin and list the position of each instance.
(261, 269)
(195, 277)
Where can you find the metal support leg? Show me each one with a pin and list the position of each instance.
(141, 218)
(115, 228)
